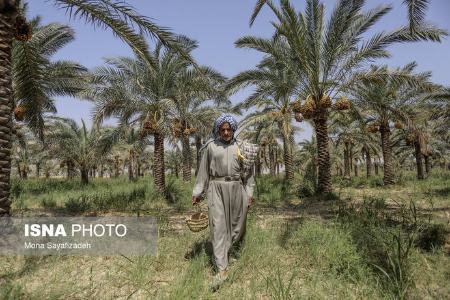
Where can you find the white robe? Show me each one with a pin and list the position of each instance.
(227, 200)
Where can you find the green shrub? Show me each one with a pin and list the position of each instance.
(37, 186)
(77, 205)
(386, 241)
(270, 189)
(305, 190)
(374, 202)
(11, 291)
(16, 188)
(19, 204)
(359, 182)
(432, 236)
(127, 198)
(173, 193)
(375, 181)
(48, 203)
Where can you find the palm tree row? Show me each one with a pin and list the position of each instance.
(170, 101)
(324, 61)
(119, 17)
(312, 70)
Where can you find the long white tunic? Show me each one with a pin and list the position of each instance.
(227, 200)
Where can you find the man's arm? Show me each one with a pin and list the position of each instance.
(202, 180)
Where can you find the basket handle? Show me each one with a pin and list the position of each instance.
(198, 207)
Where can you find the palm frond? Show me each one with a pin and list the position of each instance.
(416, 12)
(259, 5)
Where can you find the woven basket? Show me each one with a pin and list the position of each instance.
(198, 221)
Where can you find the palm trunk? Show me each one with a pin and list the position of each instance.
(355, 168)
(427, 164)
(368, 163)
(198, 145)
(258, 165)
(138, 168)
(264, 157)
(130, 171)
(419, 162)
(271, 160)
(388, 177)
(84, 176)
(19, 169)
(350, 155)
(116, 167)
(158, 167)
(101, 171)
(70, 170)
(6, 102)
(187, 163)
(130, 166)
(38, 170)
(288, 164)
(376, 167)
(323, 153)
(347, 160)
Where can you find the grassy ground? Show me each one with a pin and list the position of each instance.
(363, 242)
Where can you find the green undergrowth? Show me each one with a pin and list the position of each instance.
(374, 243)
(100, 196)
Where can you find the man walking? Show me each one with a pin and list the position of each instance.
(229, 190)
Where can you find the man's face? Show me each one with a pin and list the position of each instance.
(225, 131)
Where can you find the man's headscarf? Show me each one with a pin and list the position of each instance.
(225, 118)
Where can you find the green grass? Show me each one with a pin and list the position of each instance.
(67, 197)
(292, 250)
(271, 190)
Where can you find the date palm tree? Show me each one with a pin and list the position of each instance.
(37, 79)
(275, 80)
(416, 11)
(307, 156)
(69, 142)
(174, 161)
(27, 151)
(426, 131)
(388, 102)
(124, 139)
(121, 18)
(141, 95)
(349, 130)
(327, 55)
(196, 100)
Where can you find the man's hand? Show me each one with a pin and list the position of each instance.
(196, 200)
(250, 201)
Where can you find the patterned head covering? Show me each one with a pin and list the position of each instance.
(225, 118)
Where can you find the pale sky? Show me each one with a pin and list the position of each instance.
(216, 25)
